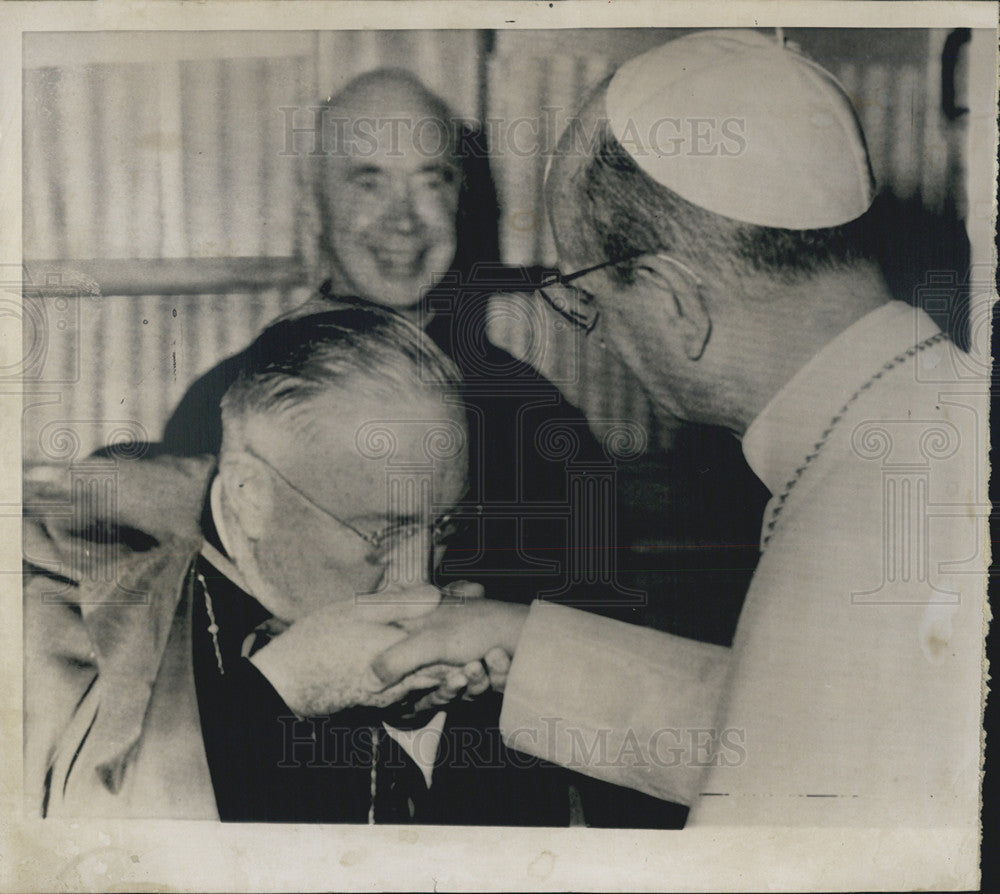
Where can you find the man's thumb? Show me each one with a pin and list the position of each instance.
(395, 603)
(405, 657)
(464, 589)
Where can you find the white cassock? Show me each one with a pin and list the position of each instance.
(852, 692)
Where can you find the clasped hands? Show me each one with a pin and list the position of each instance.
(378, 648)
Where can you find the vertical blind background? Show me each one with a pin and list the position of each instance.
(170, 146)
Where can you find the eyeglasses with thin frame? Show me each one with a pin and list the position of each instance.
(577, 305)
(443, 529)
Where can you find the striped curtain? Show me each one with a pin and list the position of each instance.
(544, 77)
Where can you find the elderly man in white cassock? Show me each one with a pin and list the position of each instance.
(730, 274)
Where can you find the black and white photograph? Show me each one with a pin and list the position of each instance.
(496, 446)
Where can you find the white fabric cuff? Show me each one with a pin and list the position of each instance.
(630, 705)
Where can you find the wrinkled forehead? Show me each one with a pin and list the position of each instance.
(400, 132)
(378, 450)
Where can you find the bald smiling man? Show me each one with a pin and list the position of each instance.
(388, 190)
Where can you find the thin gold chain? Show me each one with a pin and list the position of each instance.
(818, 446)
(374, 774)
(213, 626)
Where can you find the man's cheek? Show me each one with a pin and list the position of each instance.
(437, 210)
(408, 564)
(439, 220)
(441, 252)
(340, 582)
(357, 217)
(356, 254)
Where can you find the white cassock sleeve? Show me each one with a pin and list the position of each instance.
(626, 704)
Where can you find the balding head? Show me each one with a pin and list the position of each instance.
(388, 187)
(389, 91)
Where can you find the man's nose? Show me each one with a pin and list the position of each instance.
(401, 213)
(409, 562)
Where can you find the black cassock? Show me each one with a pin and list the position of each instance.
(267, 765)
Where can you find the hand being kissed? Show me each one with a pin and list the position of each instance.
(320, 664)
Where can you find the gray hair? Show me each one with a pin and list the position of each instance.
(626, 213)
(360, 348)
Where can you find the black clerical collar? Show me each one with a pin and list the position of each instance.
(236, 614)
(236, 610)
(208, 526)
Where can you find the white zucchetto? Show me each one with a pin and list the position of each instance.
(734, 122)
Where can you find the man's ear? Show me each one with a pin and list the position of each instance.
(677, 302)
(249, 492)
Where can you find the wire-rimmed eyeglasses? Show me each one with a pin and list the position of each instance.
(577, 305)
(443, 529)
